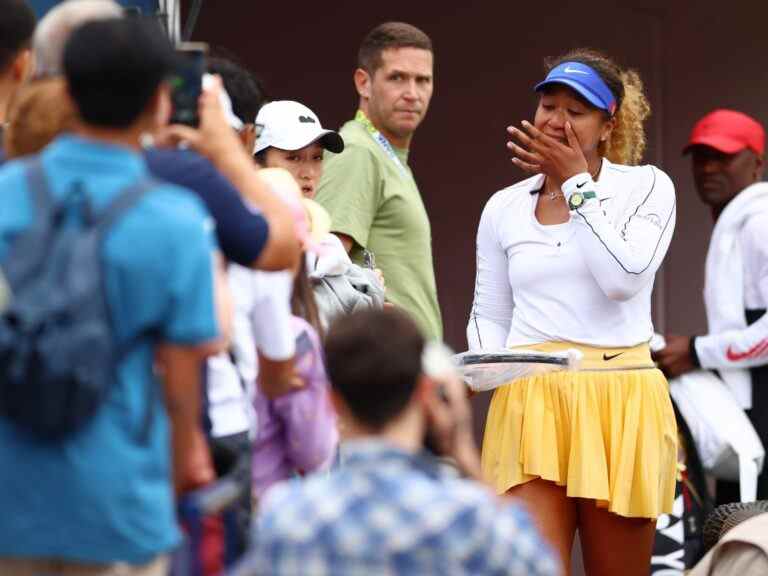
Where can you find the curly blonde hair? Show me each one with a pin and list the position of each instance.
(627, 142)
(38, 113)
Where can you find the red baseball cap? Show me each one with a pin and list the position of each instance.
(728, 131)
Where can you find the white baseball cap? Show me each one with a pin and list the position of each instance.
(225, 101)
(290, 125)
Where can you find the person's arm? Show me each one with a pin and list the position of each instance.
(180, 367)
(678, 356)
(307, 414)
(747, 347)
(624, 260)
(215, 140)
(241, 231)
(491, 314)
(282, 250)
(188, 334)
(350, 190)
(277, 377)
(449, 422)
(273, 333)
(734, 348)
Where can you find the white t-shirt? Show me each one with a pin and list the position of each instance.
(261, 319)
(587, 281)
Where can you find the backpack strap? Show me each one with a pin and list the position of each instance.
(125, 200)
(18, 270)
(37, 182)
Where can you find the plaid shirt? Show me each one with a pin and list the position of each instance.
(390, 512)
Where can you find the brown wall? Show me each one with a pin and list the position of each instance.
(693, 56)
(714, 58)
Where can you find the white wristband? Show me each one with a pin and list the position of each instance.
(581, 182)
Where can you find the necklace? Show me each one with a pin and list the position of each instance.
(555, 194)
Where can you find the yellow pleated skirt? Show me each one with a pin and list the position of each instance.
(607, 432)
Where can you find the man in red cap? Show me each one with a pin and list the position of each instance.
(726, 149)
(727, 152)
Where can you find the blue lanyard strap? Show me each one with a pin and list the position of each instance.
(381, 140)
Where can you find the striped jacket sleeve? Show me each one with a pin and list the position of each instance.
(624, 256)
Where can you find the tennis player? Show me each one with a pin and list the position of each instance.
(567, 259)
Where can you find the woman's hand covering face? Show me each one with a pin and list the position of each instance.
(536, 153)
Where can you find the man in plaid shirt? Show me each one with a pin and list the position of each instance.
(392, 509)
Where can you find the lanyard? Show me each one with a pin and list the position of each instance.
(381, 141)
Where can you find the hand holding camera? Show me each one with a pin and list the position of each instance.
(213, 138)
(448, 412)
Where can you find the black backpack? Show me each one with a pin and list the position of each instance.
(57, 350)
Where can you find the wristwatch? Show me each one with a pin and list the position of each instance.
(577, 199)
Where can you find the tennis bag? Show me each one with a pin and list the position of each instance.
(729, 447)
(57, 351)
(342, 294)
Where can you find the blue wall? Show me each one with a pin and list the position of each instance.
(147, 6)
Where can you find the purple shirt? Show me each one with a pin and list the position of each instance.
(297, 431)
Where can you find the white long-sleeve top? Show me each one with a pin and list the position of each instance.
(586, 281)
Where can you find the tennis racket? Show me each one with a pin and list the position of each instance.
(489, 369)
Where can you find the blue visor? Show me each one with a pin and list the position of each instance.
(584, 80)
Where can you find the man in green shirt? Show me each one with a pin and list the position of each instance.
(369, 188)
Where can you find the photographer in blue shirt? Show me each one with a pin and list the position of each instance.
(102, 499)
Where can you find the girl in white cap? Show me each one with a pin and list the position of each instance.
(567, 259)
(292, 138)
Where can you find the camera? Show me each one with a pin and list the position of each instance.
(437, 363)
